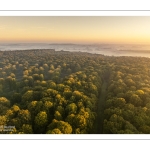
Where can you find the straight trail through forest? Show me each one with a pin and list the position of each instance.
(101, 106)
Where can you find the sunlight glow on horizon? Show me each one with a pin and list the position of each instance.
(102, 29)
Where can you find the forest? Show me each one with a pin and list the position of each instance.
(43, 91)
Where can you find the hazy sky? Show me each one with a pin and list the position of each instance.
(102, 29)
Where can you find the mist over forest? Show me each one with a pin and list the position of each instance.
(139, 50)
(74, 89)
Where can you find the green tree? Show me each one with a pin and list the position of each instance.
(40, 122)
(27, 129)
(64, 127)
(54, 131)
(24, 116)
(71, 108)
(27, 97)
(57, 115)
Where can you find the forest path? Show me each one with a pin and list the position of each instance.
(101, 105)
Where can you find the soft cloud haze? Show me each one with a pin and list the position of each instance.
(124, 30)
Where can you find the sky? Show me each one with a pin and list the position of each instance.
(75, 29)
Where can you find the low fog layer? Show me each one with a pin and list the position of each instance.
(105, 49)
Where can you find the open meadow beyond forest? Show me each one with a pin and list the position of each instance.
(59, 92)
